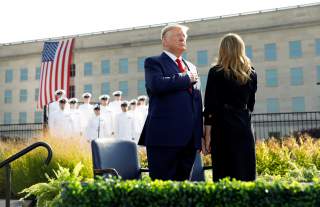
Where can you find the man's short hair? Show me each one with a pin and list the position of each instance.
(172, 26)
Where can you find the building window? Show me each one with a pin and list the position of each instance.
(9, 76)
(105, 67)
(72, 91)
(7, 119)
(37, 117)
(184, 55)
(105, 88)
(123, 65)
(23, 95)
(271, 77)
(22, 117)
(298, 104)
(123, 86)
(24, 74)
(270, 52)
(72, 70)
(36, 94)
(318, 47)
(296, 76)
(141, 87)
(87, 88)
(202, 58)
(88, 69)
(7, 96)
(273, 105)
(141, 63)
(38, 71)
(318, 73)
(203, 81)
(295, 50)
(249, 51)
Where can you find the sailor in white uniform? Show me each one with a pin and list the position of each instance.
(138, 118)
(115, 105)
(76, 118)
(97, 126)
(142, 106)
(60, 121)
(54, 106)
(86, 110)
(125, 128)
(106, 112)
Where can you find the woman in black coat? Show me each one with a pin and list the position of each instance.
(229, 101)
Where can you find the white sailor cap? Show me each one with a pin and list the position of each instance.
(124, 103)
(60, 92)
(73, 100)
(117, 93)
(104, 96)
(96, 107)
(142, 98)
(133, 102)
(63, 100)
(86, 94)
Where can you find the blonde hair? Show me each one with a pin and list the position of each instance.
(232, 58)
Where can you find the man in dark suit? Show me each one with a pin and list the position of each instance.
(173, 130)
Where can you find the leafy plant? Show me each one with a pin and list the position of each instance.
(47, 194)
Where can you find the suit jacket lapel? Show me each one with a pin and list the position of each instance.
(169, 64)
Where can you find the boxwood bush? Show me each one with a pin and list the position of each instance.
(184, 194)
(290, 158)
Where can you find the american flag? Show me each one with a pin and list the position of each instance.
(55, 70)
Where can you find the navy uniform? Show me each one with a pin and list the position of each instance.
(115, 105)
(97, 126)
(86, 111)
(124, 127)
(138, 118)
(60, 121)
(76, 118)
(107, 113)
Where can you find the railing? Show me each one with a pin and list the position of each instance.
(6, 164)
(21, 131)
(284, 124)
(264, 125)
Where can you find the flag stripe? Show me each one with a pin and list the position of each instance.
(59, 70)
(55, 70)
(50, 82)
(63, 64)
(45, 81)
(69, 65)
(40, 91)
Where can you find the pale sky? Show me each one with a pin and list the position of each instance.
(23, 20)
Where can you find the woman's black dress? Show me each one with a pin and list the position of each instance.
(228, 106)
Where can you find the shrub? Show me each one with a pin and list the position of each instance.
(178, 194)
(30, 169)
(288, 158)
(48, 194)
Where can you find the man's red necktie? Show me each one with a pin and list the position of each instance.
(182, 70)
(180, 66)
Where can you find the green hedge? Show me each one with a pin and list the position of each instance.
(178, 194)
(290, 158)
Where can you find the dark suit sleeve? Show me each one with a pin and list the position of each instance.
(252, 98)
(157, 83)
(210, 98)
